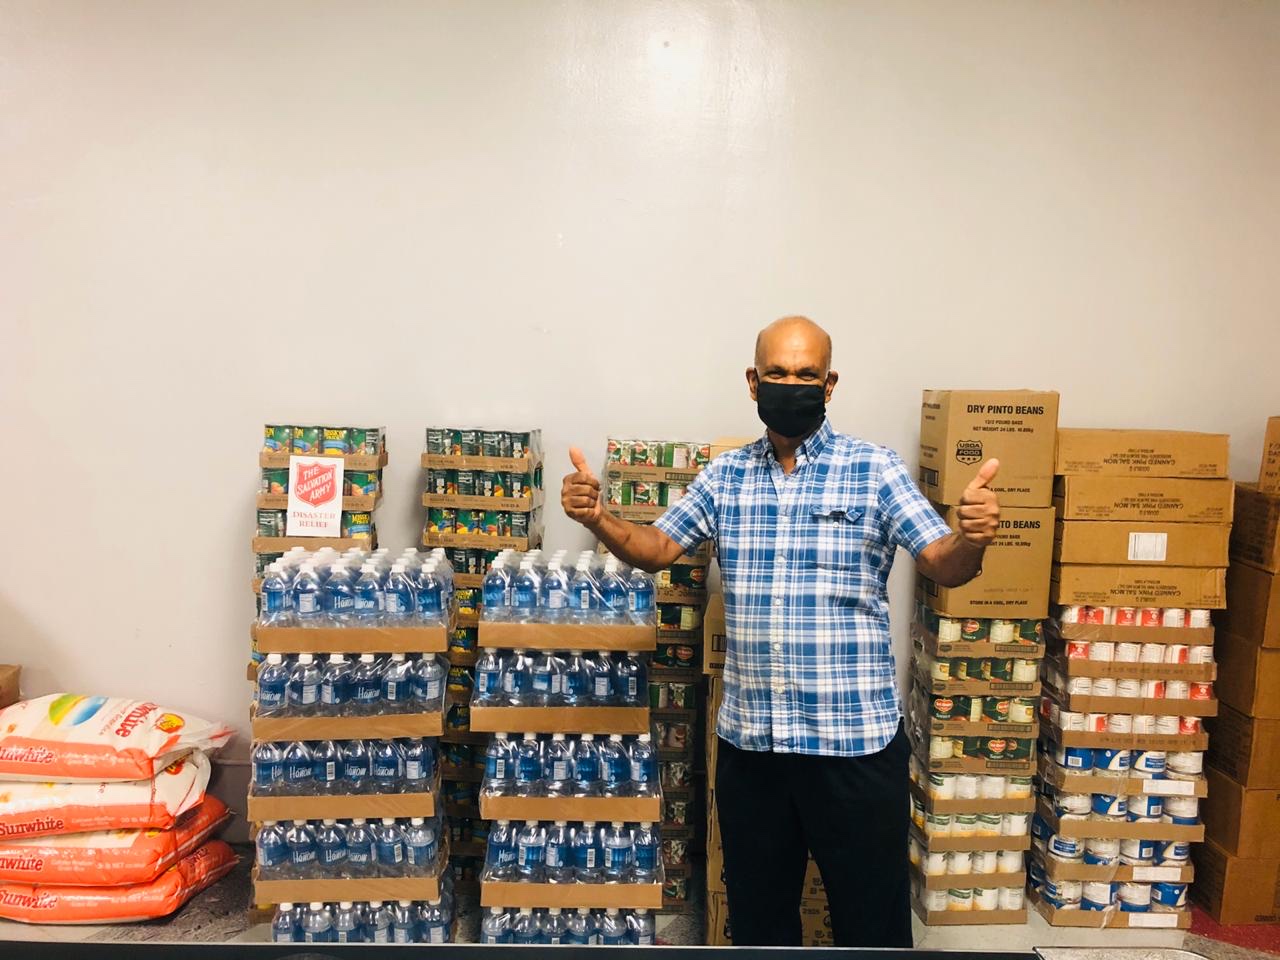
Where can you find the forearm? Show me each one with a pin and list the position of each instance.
(952, 561)
(639, 545)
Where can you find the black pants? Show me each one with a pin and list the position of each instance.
(851, 813)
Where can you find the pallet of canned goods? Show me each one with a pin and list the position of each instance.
(364, 448)
(478, 448)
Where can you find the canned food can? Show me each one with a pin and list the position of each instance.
(362, 483)
(1135, 897)
(1124, 616)
(959, 862)
(942, 708)
(1111, 761)
(1014, 824)
(1004, 631)
(1012, 898)
(675, 888)
(1198, 690)
(465, 483)
(948, 630)
(1128, 652)
(1119, 723)
(1096, 895)
(1173, 617)
(1072, 720)
(974, 630)
(940, 670)
(467, 441)
(1200, 654)
(1177, 653)
(470, 522)
(675, 812)
(616, 451)
(493, 443)
(1167, 725)
(993, 787)
(937, 824)
(1072, 613)
(1073, 804)
(1098, 616)
(1101, 852)
(520, 444)
(1095, 722)
(335, 441)
(659, 696)
(1152, 689)
(995, 748)
(493, 523)
(936, 901)
(1102, 651)
(1009, 861)
(1137, 853)
(1080, 686)
(1144, 723)
(1149, 763)
(1189, 726)
(1109, 805)
(677, 736)
(366, 441)
(676, 774)
(1128, 688)
(942, 786)
(438, 441)
(357, 525)
(1172, 851)
(277, 438)
(271, 523)
(441, 520)
(985, 862)
(306, 440)
(642, 454)
(1025, 671)
(1000, 669)
(1022, 710)
(438, 483)
(1078, 650)
(1171, 895)
(1199, 619)
(986, 899)
(1074, 758)
(1145, 806)
(996, 709)
(967, 786)
(683, 695)
(1150, 617)
(275, 480)
(675, 853)
(1177, 690)
(1063, 891)
(1182, 807)
(1104, 686)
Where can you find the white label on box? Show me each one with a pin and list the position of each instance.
(1153, 920)
(1148, 547)
(315, 497)
(1169, 788)
(1157, 874)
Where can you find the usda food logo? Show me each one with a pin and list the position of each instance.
(969, 452)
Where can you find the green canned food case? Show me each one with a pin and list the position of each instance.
(277, 438)
(335, 441)
(306, 440)
(363, 483)
(275, 480)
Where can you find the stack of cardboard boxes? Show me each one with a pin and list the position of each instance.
(1140, 557)
(976, 653)
(1238, 867)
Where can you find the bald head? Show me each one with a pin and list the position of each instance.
(792, 344)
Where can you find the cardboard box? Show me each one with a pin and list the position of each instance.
(1243, 822)
(1109, 919)
(279, 460)
(1169, 544)
(1235, 890)
(1074, 781)
(1014, 582)
(1118, 633)
(624, 896)
(1121, 670)
(1134, 586)
(971, 881)
(577, 809)
(1253, 605)
(932, 804)
(1141, 453)
(715, 869)
(9, 676)
(453, 501)
(815, 922)
(445, 461)
(1126, 741)
(597, 720)
(1248, 677)
(969, 918)
(364, 888)
(724, 444)
(371, 806)
(354, 640)
(1117, 873)
(1148, 499)
(715, 640)
(961, 429)
(1255, 536)
(1269, 474)
(565, 636)
(926, 640)
(348, 728)
(1118, 829)
(1246, 749)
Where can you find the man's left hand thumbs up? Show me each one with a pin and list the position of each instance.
(979, 508)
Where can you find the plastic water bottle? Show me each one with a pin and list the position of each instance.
(277, 608)
(495, 927)
(615, 767)
(647, 849)
(326, 767)
(268, 768)
(331, 848)
(524, 593)
(389, 842)
(586, 767)
(584, 599)
(516, 680)
(630, 681)
(285, 925)
(357, 767)
(307, 596)
(554, 927)
(339, 597)
(531, 852)
(557, 767)
(588, 855)
(431, 610)
(488, 688)
(640, 595)
(427, 675)
(299, 777)
(524, 928)
(619, 850)
(602, 690)
(335, 686)
(496, 593)
(433, 926)
(304, 686)
(528, 779)
(643, 931)
(578, 927)
(613, 593)
(419, 764)
(401, 598)
(404, 926)
(500, 854)
(366, 686)
(575, 684)
(421, 848)
(272, 851)
(361, 855)
(555, 594)
(378, 927)
(499, 770)
(387, 762)
(613, 929)
(559, 853)
(397, 685)
(367, 597)
(644, 767)
(547, 674)
(301, 842)
(347, 927)
(273, 686)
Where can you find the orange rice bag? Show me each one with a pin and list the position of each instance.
(67, 736)
(110, 856)
(54, 903)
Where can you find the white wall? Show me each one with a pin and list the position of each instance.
(576, 215)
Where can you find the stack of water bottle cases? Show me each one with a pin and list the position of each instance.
(571, 778)
(642, 479)
(483, 493)
(1144, 519)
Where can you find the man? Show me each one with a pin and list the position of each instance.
(812, 751)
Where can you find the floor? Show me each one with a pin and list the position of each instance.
(220, 914)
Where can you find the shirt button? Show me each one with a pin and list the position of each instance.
(778, 688)
(777, 645)
(777, 601)
(783, 518)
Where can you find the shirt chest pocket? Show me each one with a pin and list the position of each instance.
(839, 537)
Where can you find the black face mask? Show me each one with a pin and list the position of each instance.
(791, 409)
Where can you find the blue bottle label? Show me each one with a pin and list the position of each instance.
(647, 857)
(359, 855)
(272, 854)
(266, 774)
(331, 855)
(298, 771)
(495, 768)
(302, 855)
(368, 691)
(390, 852)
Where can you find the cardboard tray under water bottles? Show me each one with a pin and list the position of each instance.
(574, 809)
(380, 726)
(371, 806)
(353, 640)
(508, 635)
(352, 888)
(593, 896)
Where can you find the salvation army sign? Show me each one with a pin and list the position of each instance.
(315, 497)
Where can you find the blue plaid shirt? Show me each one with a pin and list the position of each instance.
(805, 561)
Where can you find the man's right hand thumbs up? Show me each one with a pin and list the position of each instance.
(580, 492)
